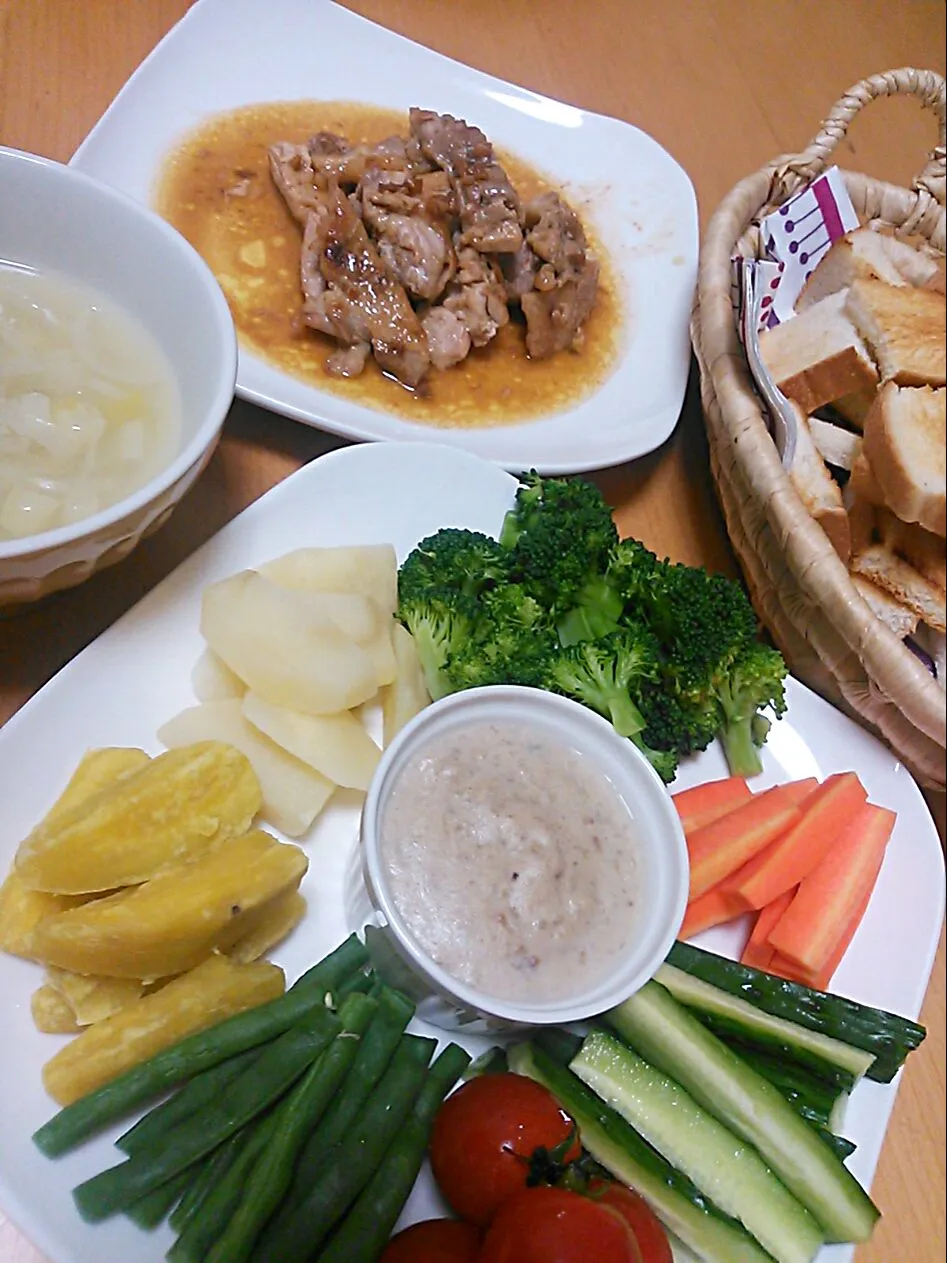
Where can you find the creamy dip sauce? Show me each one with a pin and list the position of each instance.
(512, 860)
(216, 189)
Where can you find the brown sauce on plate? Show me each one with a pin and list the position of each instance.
(215, 188)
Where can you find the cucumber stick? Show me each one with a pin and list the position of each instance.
(887, 1036)
(674, 1041)
(614, 1143)
(754, 1026)
(727, 1169)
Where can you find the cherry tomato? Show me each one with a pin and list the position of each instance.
(434, 1241)
(644, 1223)
(486, 1136)
(554, 1225)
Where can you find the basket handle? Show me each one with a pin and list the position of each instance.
(926, 85)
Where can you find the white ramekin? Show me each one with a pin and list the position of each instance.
(451, 1003)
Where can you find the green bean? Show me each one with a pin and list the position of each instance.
(329, 973)
(299, 1112)
(197, 1052)
(208, 1173)
(374, 1053)
(348, 1167)
(278, 1067)
(201, 1090)
(223, 1198)
(154, 1207)
(357, 981)
(361, 1237)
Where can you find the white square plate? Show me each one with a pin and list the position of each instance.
(121, 688)
(228, 53)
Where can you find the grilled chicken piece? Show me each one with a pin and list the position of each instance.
(477, 295)
(292, 172)
(349, 165)
(361, 301)
(349, 361)
(519, 271)
(447, 337)
(414, 244)
(489, 209)
(566, 281)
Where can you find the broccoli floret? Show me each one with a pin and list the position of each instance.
(715, 673)
(664, 762)
(596, 612)
(513, 637)
(601, 673)
(703, 620)
(558, 536)
(453, 560)
(754, 681)
(631, 568)
(441, 627)
(672, 723)
(607, 675)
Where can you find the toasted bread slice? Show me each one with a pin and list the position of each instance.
(903, 561)
(900, 618)
(904, 442)
(861, 253)
(836, 445)
(906, 329)
(817, 489)
(924, 550)
(818, 356)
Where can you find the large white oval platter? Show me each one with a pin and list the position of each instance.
(137, 674)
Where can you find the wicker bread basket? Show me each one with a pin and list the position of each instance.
(802, 591)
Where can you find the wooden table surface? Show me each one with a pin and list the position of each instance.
(724, 85)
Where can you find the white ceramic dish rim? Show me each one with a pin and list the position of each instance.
(105, 696)
(664, 870)
(593, 434)
(194, 448)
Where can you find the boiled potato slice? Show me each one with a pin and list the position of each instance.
(273, 923)
(285, 647)
(52, 1013)
(362, 620)
(370, 569)
(91, 999)
(174, 807)
(216, 989)
(335, 745)
(171, 923)
(293, 793)
(213, 681)
(407, 694)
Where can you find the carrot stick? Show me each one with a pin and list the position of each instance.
(793, 855)
(712, 908)
(721, 847)
(810, 929)
(758, 951)
(702, 804)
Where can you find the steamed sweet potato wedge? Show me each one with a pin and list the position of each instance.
(169, 924)
(214, 990)
(173, 808)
